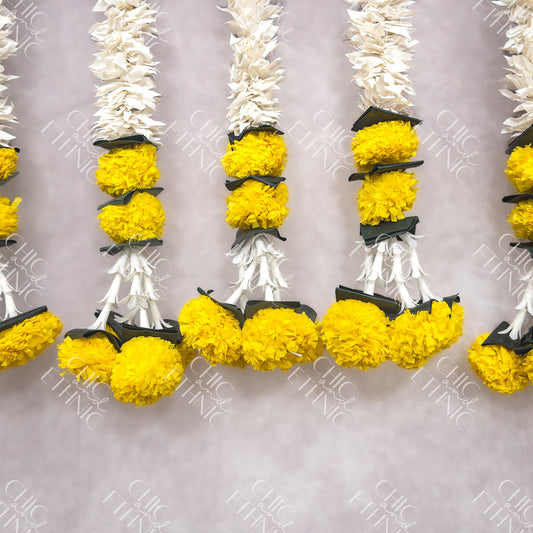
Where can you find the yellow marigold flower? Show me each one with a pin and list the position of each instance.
(8, 162)
(384, 143)
(356, 334)
(384, 197)
(28, 339)
(142, 218)
(527, 364)
(447, 323)
(520, 168)
(125, 169)
(8, 216)
(258, 153)
(146, 369)
(212, 330)
(413, 339)
(521, 218)
(280, 338)
(500, 368)
(89, 358)
(255, 205)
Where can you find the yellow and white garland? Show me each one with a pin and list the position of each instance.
(23, 336)
(503, 359)
(270, 333)
(363, 328)
(138, 353)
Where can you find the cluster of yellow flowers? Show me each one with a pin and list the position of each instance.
(360, 334)
(272, 338)
(254, 204)
(124, 170)
(384, 197)
(144, 369)
(8, 210)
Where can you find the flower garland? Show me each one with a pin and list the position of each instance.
(23, 336)
(363, 328)
(269, 333)
(503, 359)
(138, 354)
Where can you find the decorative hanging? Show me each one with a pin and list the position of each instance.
(364, 328)
(268, 333)
(503, 359)
(23, 336)
(137, 353)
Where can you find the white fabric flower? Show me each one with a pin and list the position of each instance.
(126, 66)
(254, 74)
(380, 33)
(8, 47)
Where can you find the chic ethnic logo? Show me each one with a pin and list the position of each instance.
(385, 509)
(494, 17)
(206, 390)
(509, 265)
(30, 27)
(138, 509)
(85, 398)
(325, 386)
(73, 137)
(508, 508)
(451, 389)
(452, 142)
(327, 142)
(262, 508)
(201, 140)
(24, 269)
(20, 510)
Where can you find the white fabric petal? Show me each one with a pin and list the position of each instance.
(8, 47)
(126, 66)
(380, 34)
(254, 74)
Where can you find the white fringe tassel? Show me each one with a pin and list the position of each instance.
(524, 307)
(141, 301)
(415, 270)
(258, 262)
(7, 292)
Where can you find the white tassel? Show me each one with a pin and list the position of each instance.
(524, 307)
(376, 272)
(415, 270)
(368, 262)
(398, 277)
(7, 291)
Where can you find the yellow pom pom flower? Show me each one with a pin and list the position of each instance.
(125, 169)
(146, 369)
(520, 168)
(384, 197)
(500, 368)
(258, 153)
(527, 365)
(255, 205)
(384, 143)
(521, 218)
(212, 330)
(447, 323)
(89, 358)
(8, 162)
(8, 216)
(413, 340)
(25, 341)
(142, 218)
(280, 338)
(356, 334)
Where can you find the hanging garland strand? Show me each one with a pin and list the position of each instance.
(138, 353)
(503, 359)
(363, 328)
(23, 336)
(268, 333)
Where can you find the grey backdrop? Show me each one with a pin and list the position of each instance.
(317, 450)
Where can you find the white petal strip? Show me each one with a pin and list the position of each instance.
(380, 34)
(524, 307)
(8, 47)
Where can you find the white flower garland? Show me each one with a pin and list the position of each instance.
(8, 47)
(127, 98)
(254, 75)
(380, 33)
